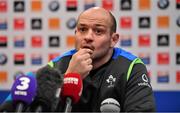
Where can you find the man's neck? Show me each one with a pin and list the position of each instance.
(99, 62)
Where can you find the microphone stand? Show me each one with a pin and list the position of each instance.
(19, 107)
(68, 106)
(39, 109)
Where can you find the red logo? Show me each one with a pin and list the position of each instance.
(178, 4)
(19, 23)
(163, 58)
(178, 1)
(19, 58)
(107, 4)
(3, 40)
(178, 76)
(71, 5)
(3, 6)
(125, 22)
(144, 40)
(36, 41)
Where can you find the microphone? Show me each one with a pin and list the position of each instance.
(110, 105)
(23, 91)
(71, 90)
(49, 82)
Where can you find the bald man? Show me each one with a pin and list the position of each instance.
(107, 72)
(95, 39)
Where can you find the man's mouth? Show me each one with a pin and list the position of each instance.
(88, 47)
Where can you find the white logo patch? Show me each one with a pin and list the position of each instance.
(145, 81)
(144, 78)
(111, 80)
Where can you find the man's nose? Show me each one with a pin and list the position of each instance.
(89, 35)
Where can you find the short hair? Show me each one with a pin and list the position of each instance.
(114, 24)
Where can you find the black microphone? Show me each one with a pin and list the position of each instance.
(49, 82)
(110, 105)
(23, 91)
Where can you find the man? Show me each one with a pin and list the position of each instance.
(107, 72)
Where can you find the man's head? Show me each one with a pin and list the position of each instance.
(113, 20)
(96, 30)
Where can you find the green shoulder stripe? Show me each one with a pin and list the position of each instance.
(135, 61)
(51, 64)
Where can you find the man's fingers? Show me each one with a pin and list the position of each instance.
(86, 56)
(90, 67)
(89, 51)
(83, 51)
(89, 61)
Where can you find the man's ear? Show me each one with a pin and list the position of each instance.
(114, 39)
(75, 31)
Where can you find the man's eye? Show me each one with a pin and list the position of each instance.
(98, 31)
(82, 29)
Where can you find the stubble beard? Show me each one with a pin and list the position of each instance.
(100, 58)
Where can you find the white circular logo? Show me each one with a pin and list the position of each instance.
(145, 78)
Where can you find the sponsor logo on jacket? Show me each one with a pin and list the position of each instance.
(145, 81)
(111, 80)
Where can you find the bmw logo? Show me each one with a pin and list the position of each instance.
(3, 59)
(163, 4)
(71, 23)
(54, 6)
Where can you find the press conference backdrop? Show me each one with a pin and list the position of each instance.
(32, 32)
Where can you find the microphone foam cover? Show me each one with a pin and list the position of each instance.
(48, 81)
(110, 105)
(72, 87)
(24, 89)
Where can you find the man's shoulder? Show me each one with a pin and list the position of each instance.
(118, 52)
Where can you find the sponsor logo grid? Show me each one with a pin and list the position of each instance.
(32, 32)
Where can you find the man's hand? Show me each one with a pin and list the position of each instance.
(81, 63)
